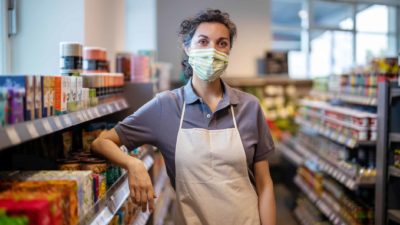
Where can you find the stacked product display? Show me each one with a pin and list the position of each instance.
(136, 67)
(336, 146)
(49, 174)
(278, 96)
(360, 86)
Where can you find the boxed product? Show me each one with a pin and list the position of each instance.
(47, 95)
(79, 92)
(29, 98)
(3, 106)
(38, 211)
(83, 181)
(54, 199)
(71, 104)
(38, 96)
(67, 189)
(15, 88)
(61, 92)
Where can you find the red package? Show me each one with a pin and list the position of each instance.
(38, 211)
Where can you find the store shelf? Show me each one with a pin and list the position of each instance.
(394, 215)
(394, 137)
(330, 168)
(143, 217)
(335, 136)
(352, 99)
(394, 171)
(290, 154)
(321, 204)
(16, 134)
(269, 79)
(105, 209)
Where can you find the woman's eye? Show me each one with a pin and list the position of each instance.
(223, 44)
(203, 42)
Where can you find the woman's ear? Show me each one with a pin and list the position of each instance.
(186, 49)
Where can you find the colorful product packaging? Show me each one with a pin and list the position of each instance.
(29, 98)
(53, 198)
(61, 91)
(38, 96)
(71, 105)
(79, 92)
(47, 95)
(38, 211)
(3, 106)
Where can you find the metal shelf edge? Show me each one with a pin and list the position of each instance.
(116, 197)
(25, 131)
(394, 214)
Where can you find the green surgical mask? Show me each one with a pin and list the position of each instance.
(208, 64)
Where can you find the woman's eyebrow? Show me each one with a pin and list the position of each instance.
(222, 38)
(202, 35)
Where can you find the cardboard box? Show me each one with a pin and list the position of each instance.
(29, 106)
(71, 105)
(79, 92)
(38, 96)
(15, 88)
(61, 88)
(38, 211)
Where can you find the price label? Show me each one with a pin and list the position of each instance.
(67, 120)
(57, 121)
(109, 108)
(46, 126)
(90, 113)
(32, 130)
(85, 115)
(118, 106)
(80, 116)
(13, 135)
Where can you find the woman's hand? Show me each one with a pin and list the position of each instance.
(140, 186)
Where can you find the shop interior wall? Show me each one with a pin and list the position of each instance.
(251, 18)
(140, 25)
(41, 26)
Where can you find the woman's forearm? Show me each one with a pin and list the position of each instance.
(109, 149)
(266, 204)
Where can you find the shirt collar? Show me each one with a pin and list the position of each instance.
(230, 97)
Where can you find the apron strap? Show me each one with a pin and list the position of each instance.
(183, 114)
(233, 117)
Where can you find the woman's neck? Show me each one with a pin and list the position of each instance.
(210, 92)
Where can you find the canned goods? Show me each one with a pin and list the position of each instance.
(68, 164)
(70, 58)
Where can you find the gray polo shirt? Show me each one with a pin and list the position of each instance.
(157, 123)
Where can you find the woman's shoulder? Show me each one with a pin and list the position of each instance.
(171, 96)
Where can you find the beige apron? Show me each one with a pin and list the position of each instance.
(212, 182)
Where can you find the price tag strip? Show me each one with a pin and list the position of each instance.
(30, 127)
(46, 126)
(57, 121)
(67, 120)
(109, 108)
(13, 135)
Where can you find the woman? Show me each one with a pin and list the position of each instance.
(213, 138)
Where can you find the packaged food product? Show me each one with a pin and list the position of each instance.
(3, 106)
(70, 58)
(38, 211)
(38, 96)
(96, 186)
(67, 143)
(68, 164)
(53, 198)
(72, 104)
(98, 166)
(397, 158)
(67, 189)
(61, 88)
(102, 186)
(29, 98)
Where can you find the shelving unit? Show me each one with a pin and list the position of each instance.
(301, 155)
(352, 99)
(319, 202)
(335, 136)
(385, 209)
(104, 210)
(22, 132)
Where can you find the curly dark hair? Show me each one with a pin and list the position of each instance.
(189, 26)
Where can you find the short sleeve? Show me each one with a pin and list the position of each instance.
(142, 127)
(265, 145)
